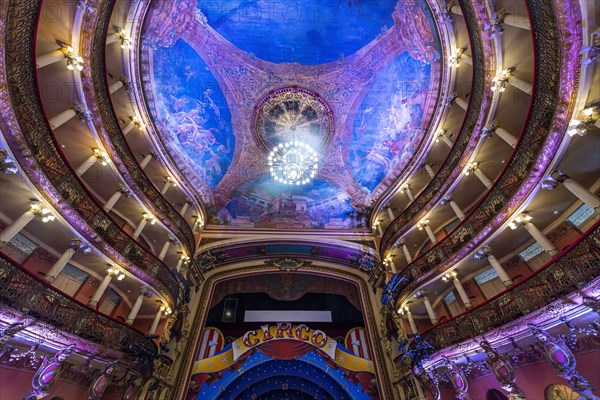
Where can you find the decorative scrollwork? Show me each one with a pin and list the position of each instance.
(103, 117)
(22, 291)
(288, 263)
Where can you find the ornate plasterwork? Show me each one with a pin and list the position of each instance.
(28, 134)
(36, 331)
(481, 100)
(288, 264)
(106, 127)
(292, 114)
(243, 79)
(218, 256)
(548, 316)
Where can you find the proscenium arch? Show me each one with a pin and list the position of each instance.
(368, 301)
(263, 372)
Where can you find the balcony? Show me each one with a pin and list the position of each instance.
(566, 273)
(23, 291)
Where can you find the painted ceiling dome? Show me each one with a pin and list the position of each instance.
(355, 83)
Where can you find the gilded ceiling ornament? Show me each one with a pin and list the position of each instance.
(288, 264)
(292, 114)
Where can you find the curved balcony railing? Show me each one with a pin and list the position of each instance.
(29, 135)
(479, 103)
(30, 295)
(539, 141)
(564, 274)
(98, 98)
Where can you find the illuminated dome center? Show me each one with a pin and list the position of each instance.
(293, 163)
(291, 114)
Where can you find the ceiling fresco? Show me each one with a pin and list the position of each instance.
(353, 82)
(308, 32)
(194, 113)
(387, 128)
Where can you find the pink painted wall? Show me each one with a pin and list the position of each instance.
(533, 379)
(519, 272)
(567, 239)
(474, 292)
(15, 384)
(87, 289)
(37, 266)
(143, 325)
(442, 312)
(120, 312)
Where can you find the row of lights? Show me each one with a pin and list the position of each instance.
(7, 165)
(521, 219)
(580, 126)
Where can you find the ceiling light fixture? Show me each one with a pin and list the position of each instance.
(74, 61)
(293, 163)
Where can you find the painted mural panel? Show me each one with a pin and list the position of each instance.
(194, 114)
(268, 204)
(387, 129)
(281, 356)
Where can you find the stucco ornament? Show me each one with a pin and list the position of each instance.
(48, 373)
(503, 371)
(560, 357)
(457, 380)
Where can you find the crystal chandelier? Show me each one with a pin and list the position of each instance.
(293, 163)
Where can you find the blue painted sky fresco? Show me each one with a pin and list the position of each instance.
(193, 108)
(386, 129)
(306, 32)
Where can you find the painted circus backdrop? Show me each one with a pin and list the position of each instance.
(283, 361)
